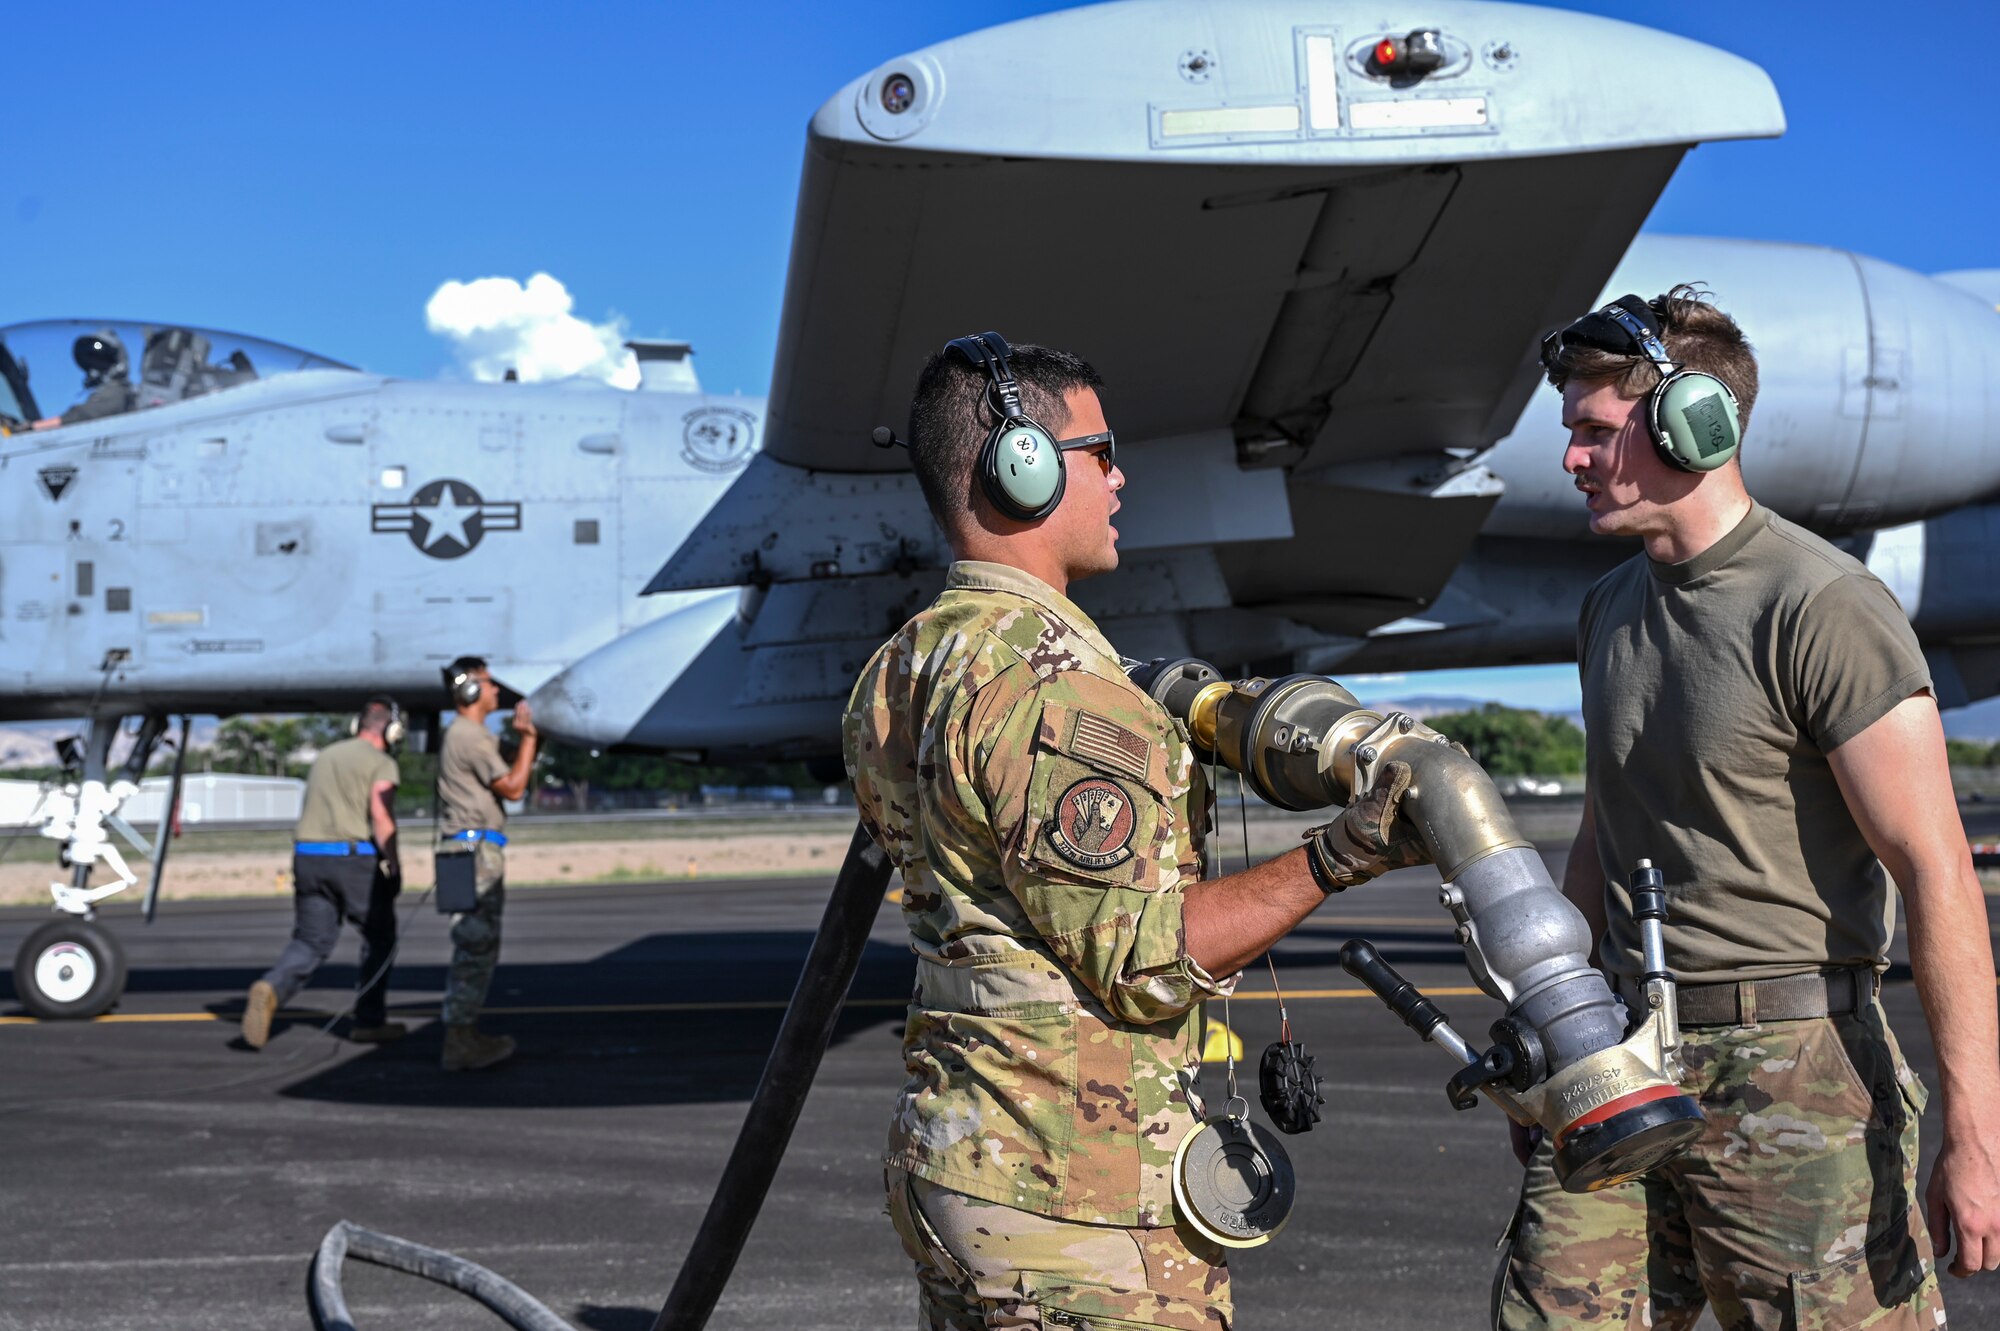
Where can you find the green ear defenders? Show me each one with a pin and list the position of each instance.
(1020, 469)
(1691, 416)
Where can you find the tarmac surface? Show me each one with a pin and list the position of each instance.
(158, 1174)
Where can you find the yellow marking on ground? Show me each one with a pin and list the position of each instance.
(727, 1005)
(895, 894)
(1267, 996)
(1438, 921)
(602, 1009)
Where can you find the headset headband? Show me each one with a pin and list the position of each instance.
(990, 352)
(1626, 326)
(1646, 339)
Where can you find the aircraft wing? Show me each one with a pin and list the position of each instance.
(1280, 256)
(1314, 285)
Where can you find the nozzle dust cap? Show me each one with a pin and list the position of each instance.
(1233, 1182)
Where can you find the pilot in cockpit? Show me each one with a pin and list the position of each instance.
(107, 374)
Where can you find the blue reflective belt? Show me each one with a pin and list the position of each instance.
(485, 834)
(333, 847)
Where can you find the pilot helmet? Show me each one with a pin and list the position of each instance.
(99, 355)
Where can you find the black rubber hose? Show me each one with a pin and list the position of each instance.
(781, 1092)
(508, 1301)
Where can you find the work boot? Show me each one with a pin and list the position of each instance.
(380, 1033)
(467, 1048)
(258, 1009)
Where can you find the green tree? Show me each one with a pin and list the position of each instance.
(1970, 753)
(273, 745)
(1513, 741)
(582, 771)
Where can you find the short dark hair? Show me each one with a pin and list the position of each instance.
(1696, 334)
(465, 665)
(950, 419)
(377, 711)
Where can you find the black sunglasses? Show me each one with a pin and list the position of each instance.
(1106, 459)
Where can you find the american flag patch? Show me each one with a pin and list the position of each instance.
(1110, 745)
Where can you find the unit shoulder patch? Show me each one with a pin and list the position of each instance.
(1093, 824)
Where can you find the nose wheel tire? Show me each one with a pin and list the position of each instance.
(69, 969)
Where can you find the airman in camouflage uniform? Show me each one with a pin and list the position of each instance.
(1046, 819)
(1801, 1196)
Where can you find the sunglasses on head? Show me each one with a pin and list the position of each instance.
(1107, 458)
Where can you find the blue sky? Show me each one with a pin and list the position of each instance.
(311, 174)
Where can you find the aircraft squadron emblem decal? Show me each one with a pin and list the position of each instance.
(446, 518)
(1093, 824)
(717, 438)
(56, 479)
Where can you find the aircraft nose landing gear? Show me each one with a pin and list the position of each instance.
(69, 968)
(73, 967)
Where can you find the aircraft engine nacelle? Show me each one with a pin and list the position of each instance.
(601, 699)
(1875, 405)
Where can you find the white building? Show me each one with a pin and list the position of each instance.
(206, 798)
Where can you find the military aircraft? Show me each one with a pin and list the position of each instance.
(1312, 247)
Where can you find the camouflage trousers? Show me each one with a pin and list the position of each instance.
(1797, 1209)
(475, 941)
(981, 1264)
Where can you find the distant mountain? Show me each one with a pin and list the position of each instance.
(1980, 721)
(33, 743)
(1424, 705)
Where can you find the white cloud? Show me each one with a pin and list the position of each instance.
(496, 324)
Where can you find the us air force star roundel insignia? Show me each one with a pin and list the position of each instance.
(1093, 824)
(446, 518)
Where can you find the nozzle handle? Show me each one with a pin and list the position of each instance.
(1649, 908)
(1359, 958)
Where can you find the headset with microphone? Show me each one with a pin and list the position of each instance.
(393, 733)
(1691, 416)
(1020, 467)
(464, 686)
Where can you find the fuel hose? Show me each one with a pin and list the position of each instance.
(781, 1092)
(746, 1179)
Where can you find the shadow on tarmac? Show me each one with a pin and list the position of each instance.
(621, 1053)
(596, 1318)
(591, 1033)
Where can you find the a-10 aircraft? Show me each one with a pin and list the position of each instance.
(1311, 246)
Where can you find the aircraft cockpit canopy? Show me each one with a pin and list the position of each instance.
(63, 371)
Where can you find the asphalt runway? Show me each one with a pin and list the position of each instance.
(158, 1174)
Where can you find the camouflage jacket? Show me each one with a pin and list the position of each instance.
(1045, 817)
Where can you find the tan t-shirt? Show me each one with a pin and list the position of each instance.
(337, 791)
(469, 762)
(1712, 691)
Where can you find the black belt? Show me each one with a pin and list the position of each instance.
(1786, 998)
